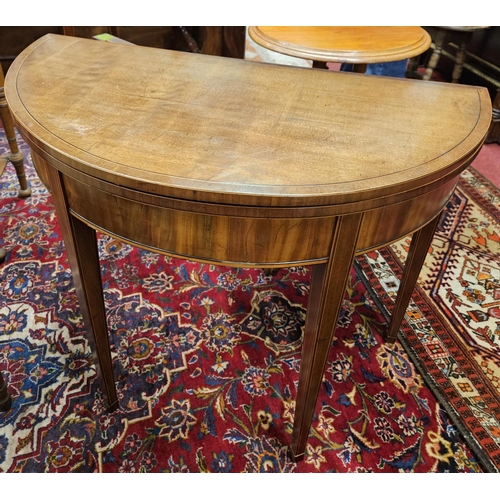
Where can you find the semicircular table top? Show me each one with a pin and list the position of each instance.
(220, 129)
(344, 44)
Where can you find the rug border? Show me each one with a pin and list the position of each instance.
(482, 457)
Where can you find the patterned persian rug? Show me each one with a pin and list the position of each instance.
(206, 358)
(452, 328)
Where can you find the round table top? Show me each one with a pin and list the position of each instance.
(223, 130)
(344, 44)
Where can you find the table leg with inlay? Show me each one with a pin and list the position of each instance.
(81, 245)
(419, 246)
(328, 284)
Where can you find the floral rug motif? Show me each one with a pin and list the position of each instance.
(206, 363)
(452, 327)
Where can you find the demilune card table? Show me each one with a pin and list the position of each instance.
(240, 163)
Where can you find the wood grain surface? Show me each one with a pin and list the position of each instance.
(223, 130)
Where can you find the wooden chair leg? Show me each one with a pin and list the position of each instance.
(5, 399)
(325, 299)
(420, 243)
(16, 156)
(436, 54)
(459, 61)
(412, 66)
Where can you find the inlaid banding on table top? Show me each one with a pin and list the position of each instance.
(348, 44)
(302, 207)
(224, 127)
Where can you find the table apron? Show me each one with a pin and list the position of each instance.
(243, 241)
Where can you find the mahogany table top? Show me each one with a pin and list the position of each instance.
(345, 44)
(216, 129)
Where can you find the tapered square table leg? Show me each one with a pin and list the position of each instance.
(81, 246)
(420, 243)
(326, 294)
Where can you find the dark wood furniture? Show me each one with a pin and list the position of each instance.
(358, 45)
(464, 34)
(494, 131)
(227, 161)
(227, 41)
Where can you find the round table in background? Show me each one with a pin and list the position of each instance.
(358, 45)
